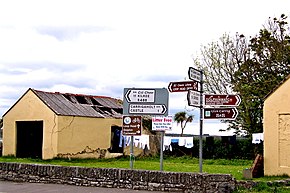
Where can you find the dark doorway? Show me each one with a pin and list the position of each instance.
(116, 140)
(29, 139)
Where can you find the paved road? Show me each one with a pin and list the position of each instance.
(15, 187)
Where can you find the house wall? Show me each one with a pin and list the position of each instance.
(277, 131)
(30, 108)
(84, 137)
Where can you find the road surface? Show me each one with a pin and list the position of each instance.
(19, 187)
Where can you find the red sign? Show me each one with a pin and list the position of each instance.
(132, 125)
(183, 86)
(221, 113)
(222, 100)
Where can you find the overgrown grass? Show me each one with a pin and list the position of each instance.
(263, 187)
(173, 164)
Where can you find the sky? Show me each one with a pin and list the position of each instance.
(101, 47)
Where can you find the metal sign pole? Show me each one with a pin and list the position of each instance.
(201, 122)
(131, 153)
(161, 150)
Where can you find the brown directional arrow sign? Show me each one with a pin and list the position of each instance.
(183, 86)
(222, 100)
(221, 113)
(132, 125)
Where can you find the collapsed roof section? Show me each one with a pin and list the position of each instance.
(81, 105)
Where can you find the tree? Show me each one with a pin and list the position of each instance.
(268, 65)
(183, 119)
(219, 61)
(251, 69)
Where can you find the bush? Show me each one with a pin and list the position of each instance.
(220, 148)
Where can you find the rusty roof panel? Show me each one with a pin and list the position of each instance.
(108, 102)
(69, 105)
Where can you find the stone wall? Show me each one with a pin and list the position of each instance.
(118, 178)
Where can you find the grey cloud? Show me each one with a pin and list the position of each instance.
(65, 79)
(69, 32)
(162, 77)
(19, 68)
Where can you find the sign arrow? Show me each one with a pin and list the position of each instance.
(222, 100)
(183, 86)
(140, 95)
(193, 98)
(221, 113)
(147, 109)
(194, 74)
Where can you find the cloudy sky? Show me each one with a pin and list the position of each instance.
(101, 47)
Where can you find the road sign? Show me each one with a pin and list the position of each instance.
(140, 95)
(220, 113)
(161, 123)
(193, 98)
(132, 125)
(194, 74)
(145, 101)
(147, 109)
(222, 100)
(183, 86)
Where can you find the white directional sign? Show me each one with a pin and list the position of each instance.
(193, 98)
(145, 101)
(144, 96)
(147, 109)
(194, 74)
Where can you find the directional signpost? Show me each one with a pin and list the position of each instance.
(140, 95)
(222, 100)
(225, 104)
(132, 125)
(194, 74)
(142, 101)
(183, 86)
(147, 109)
(193, 98)
(145, 101)
(221, 113)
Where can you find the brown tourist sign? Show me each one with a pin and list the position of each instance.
(221, 100)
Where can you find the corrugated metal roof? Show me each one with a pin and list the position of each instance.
(81, 105)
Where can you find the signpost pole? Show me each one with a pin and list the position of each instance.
(201, 121)
(161, 150)
(131, 152)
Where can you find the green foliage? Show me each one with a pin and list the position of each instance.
(182, 118)
(260, 74)
(173, 164)
(251, 68)
(219, 149)
(264, 187)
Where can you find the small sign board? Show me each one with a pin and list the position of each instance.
(147, 109)
(140, 95)
(161, 123)
(220, 113)
(221, 100)
(194, 74)
(183, 86)
(132, 125)
(193, 98)
(145, 101)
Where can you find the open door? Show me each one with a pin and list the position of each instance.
(29, 135)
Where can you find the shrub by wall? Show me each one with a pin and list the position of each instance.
(220, 148)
